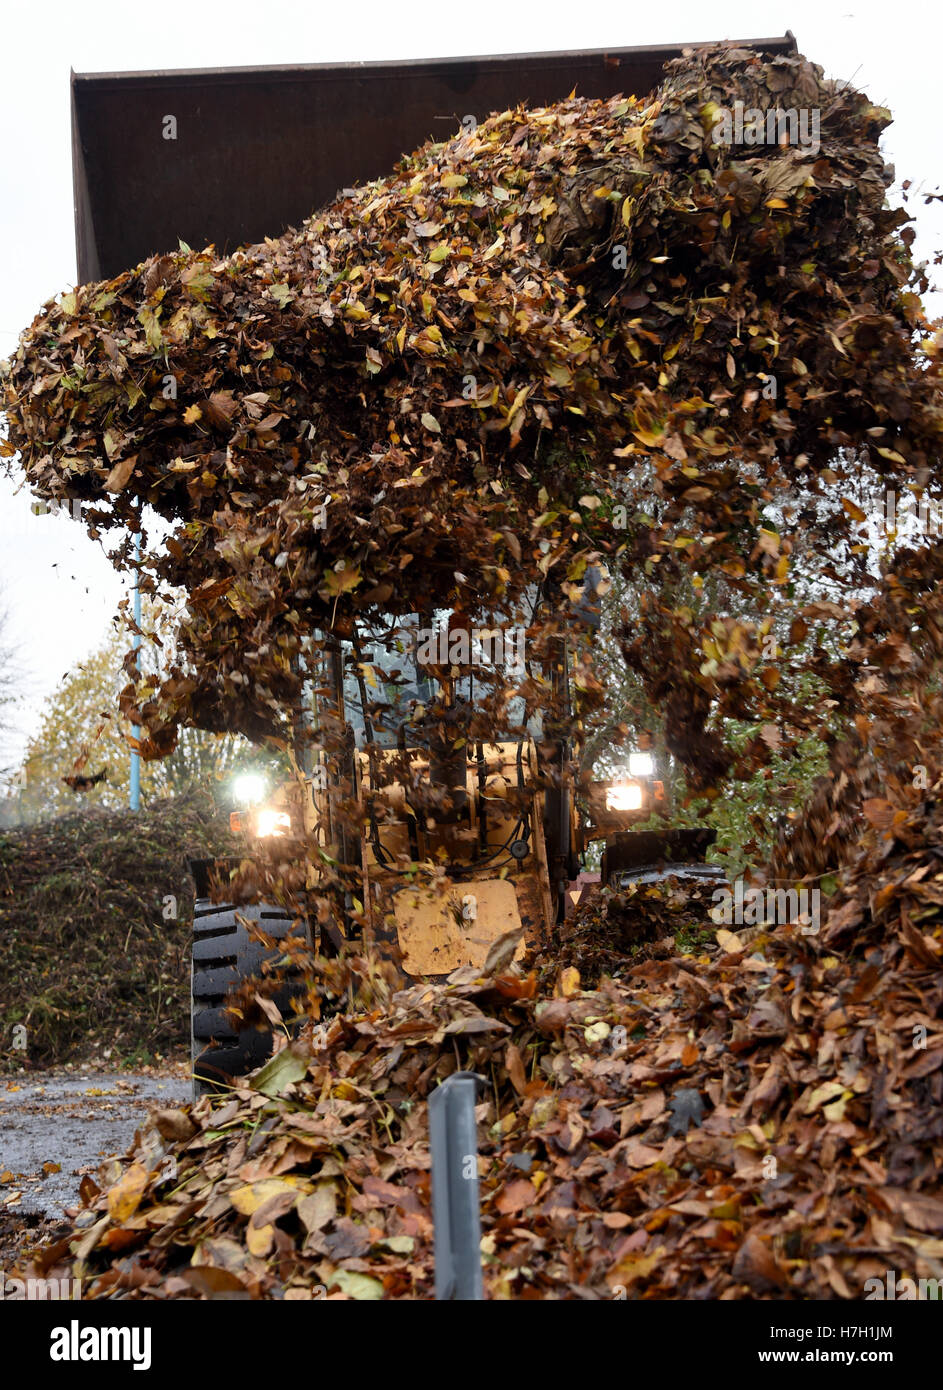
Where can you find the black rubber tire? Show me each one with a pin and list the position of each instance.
(226, 955)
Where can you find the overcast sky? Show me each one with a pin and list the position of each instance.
(56, 585)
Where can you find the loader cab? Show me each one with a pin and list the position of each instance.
(398, 672)
(456, 731)
(438, 747)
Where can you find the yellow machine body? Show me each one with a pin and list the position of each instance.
(445, 892)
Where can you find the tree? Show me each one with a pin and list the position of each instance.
(10, 681)
(82, 734)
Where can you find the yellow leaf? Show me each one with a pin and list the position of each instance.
(124, 1197)
(518, 401)
(633, 1266)
(649, 436)
(249, 1198)
(260, 1239)
(569, 982)
(836, 1109)
(340, 581)
(192, 414)
(823, 1095)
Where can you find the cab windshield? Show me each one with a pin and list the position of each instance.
(388, 682)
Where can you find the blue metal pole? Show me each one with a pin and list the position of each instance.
(135, 797)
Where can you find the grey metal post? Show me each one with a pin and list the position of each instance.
(453, 1140)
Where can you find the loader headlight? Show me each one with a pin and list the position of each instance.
(249, 788)
(641, 764)
(271, 822)
(624, 796)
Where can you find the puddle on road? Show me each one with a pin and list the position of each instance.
(76, 1120)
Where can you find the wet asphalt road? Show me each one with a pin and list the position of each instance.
(74, 1119)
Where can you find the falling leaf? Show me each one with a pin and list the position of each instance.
(120, 475)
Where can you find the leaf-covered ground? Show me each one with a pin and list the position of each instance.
(759, 1119)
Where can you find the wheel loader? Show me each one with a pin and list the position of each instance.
(507, 846)
(457, 838)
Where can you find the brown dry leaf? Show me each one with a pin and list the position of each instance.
(319, 1208)
(878, 811)
(754, 1265)
(921, 1210)
(173, 1124)
(516, 1196)
(120, 475)
(515, 1068)
(502, 952)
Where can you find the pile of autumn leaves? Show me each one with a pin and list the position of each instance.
(437, 390)
(760, 1119)
(74, 886)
